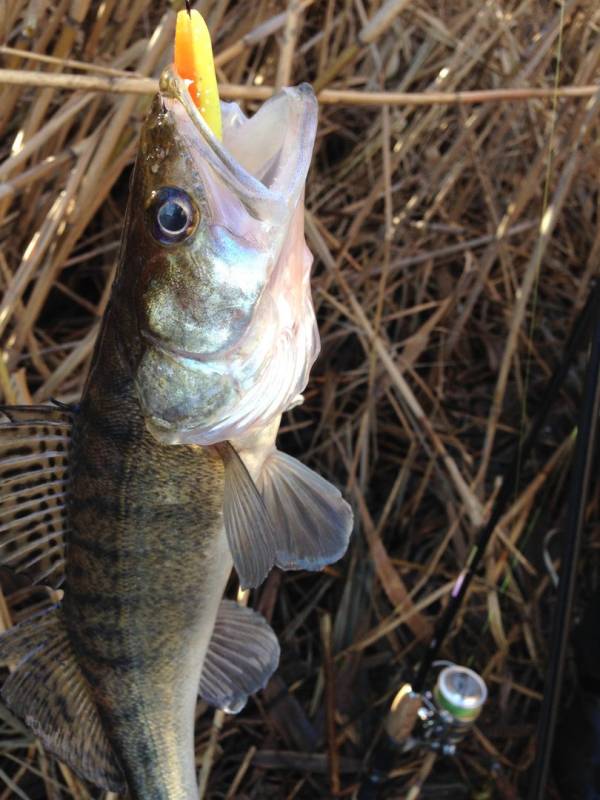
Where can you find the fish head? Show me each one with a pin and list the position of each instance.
(215, 271)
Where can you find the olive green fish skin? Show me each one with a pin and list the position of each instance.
(147, 558)
(145, 571)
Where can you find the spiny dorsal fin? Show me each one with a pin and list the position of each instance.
(312, 519)
(34, 441)
(41, 414)
(48, 691)
(242, 655)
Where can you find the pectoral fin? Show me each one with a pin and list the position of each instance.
(48, 691)
(249, 531)
(292, 518)
(242, 655)
(312, 520)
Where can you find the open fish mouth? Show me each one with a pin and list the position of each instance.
(263, 159)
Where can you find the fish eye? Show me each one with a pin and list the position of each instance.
(174, 216)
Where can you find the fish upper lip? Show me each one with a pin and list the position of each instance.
(174, 351)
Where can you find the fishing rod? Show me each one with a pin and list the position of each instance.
(578, 490)
(438, 720)
(510, 478)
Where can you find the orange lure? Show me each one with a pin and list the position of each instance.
(194, 62)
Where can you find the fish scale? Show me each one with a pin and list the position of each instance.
(142, 651)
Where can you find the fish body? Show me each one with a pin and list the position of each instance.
(173, 472)
(146, 569)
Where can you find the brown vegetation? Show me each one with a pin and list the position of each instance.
(455, 239)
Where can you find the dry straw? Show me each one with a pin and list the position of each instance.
(456, 235)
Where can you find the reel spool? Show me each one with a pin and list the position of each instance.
(437, 720)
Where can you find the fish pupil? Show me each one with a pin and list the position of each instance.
(172, 217)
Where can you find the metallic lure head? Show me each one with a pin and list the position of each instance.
(215, 269)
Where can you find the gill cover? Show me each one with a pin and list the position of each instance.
(224, 316)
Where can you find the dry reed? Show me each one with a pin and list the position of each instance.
(455, 236)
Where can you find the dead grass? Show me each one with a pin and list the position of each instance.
(454, 244)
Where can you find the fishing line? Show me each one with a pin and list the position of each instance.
(511, 477)
(510, 483)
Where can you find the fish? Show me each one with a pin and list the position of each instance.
(140, 500)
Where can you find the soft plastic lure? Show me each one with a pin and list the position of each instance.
(194, 62)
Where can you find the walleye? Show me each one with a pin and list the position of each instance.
(167, 473)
